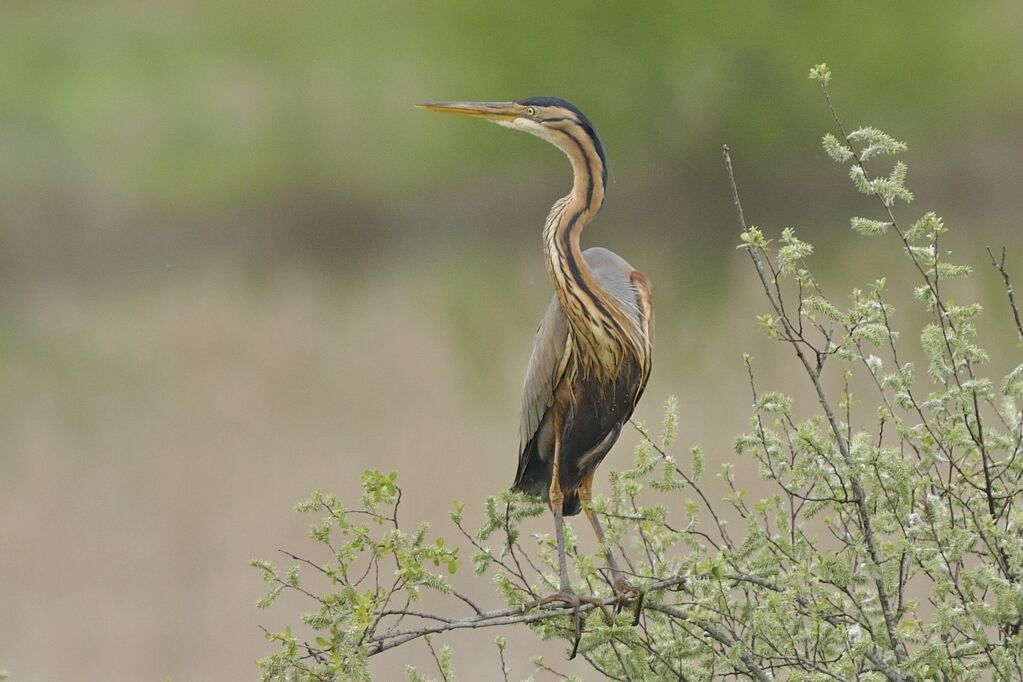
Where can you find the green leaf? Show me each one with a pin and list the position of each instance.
(1012, 385)
(875, 142)
(821, 73)
(835, 149)
(928, 227)
(870, 227)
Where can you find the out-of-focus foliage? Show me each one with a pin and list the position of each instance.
(216, 217)
(203, 103)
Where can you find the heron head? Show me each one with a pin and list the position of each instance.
(556, 120)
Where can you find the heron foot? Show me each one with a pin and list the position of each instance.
(626, 591)
(569, 598)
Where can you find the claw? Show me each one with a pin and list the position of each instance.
(571, 599)
(623, 590)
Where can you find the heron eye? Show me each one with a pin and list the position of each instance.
(530, 111)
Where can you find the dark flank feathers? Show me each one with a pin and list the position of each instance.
(594, 415)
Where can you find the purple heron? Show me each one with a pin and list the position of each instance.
(591, 355)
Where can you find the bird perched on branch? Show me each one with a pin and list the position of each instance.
(591, 355)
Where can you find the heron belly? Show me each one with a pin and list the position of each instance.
(591, 413)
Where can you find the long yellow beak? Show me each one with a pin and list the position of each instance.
(492, 111)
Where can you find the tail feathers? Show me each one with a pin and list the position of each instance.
(572, 505)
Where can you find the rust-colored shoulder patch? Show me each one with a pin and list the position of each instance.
(640, 280)
(646, 297)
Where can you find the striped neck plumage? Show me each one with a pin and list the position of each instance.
(596, 319)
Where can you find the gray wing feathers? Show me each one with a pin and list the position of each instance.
(546, 365)
(614, 275)
(622, 290)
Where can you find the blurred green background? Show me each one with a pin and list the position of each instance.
(236, 264)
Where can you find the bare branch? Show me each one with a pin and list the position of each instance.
(508, 616)
(999, 265)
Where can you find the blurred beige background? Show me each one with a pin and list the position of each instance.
(237, 265)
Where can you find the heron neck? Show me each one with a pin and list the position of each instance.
(592, 314)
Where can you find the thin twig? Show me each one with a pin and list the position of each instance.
(1009, 291)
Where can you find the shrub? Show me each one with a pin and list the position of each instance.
(885, 548)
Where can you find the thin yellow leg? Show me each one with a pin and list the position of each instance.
(621, 587)
(565, 594)
(585, 495)
(557, 506)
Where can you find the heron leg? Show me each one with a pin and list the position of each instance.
(565, 594)
(621, 586)
(557, 506)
